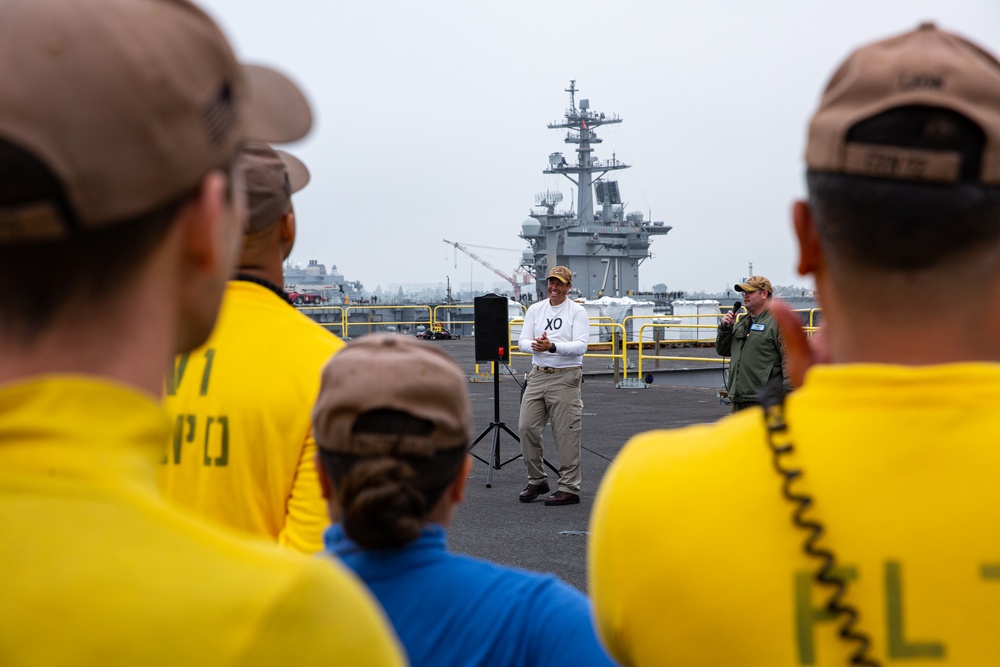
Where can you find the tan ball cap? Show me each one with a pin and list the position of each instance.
(272, 177)
(562, 274)
(392, 372)
(753, 284)
(129, 103)
(925, 67)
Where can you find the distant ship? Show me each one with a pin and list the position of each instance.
(313, 278)
(603, 247)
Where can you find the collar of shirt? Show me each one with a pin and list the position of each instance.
(371, 563)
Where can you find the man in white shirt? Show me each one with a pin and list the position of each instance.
(555, 332)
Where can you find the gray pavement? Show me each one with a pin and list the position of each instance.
(493, 524)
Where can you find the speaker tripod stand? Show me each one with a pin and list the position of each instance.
(495, 427)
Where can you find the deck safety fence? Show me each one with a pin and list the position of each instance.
(646, 334)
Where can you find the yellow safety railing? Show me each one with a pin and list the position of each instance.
(643, 344)
(466, 306)
(688, 331)
(339, 320)
(617, 331)
(332, 320)
(454, 307)
(606, 327)
(619, 350)
(379, 324)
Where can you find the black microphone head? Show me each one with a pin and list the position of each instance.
(737, 306)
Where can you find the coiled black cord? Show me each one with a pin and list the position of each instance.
(772, 398)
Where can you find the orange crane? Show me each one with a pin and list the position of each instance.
(512, 280)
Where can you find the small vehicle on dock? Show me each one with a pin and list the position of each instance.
(307, 298)
(437, 333)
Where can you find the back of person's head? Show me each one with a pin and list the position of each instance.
(903, 162)
(392, 422)
(113, 113)
(272, 176)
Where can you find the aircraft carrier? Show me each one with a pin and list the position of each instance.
(333, 286)
(601, 243)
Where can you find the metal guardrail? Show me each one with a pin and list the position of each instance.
(437, 319)
(658, 357)
(340, 320)
(316, 314)
(618, 348)
(373, 324)
(708, 361)
(457, 306)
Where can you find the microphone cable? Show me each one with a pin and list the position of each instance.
(510, 371)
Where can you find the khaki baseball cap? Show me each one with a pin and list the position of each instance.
(272, 177)
(129, 103)
(925, 67)
(564, 275)
(392, 372)
(753, 284)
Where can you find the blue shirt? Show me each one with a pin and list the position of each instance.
(450, 609)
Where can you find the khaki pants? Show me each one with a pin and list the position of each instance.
(553, 396)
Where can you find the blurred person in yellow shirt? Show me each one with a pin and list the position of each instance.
(242, 451)
(120, 124)
(851, 521)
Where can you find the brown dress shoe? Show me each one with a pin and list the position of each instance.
(562, 498)
(532, 491)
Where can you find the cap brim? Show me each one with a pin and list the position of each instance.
(278, 112)
(744, 288)
(562, 280)
(298, 174)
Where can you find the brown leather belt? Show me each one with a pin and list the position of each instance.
(546, 369)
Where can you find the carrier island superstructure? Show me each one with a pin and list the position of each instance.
(601, 244)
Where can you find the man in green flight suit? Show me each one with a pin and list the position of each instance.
(753, 343)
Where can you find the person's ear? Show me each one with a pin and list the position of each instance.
(206, 222)
(287, 233)
(208, 233)
(326, 488)
(810, 252)
(801, 352)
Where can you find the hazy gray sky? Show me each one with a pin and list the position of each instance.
(431, 120)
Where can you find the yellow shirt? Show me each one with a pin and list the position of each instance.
(694, 559)
(242, 451)
(96, 569)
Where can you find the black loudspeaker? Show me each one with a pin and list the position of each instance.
(491, 328)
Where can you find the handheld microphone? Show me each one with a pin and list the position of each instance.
(736, 309)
